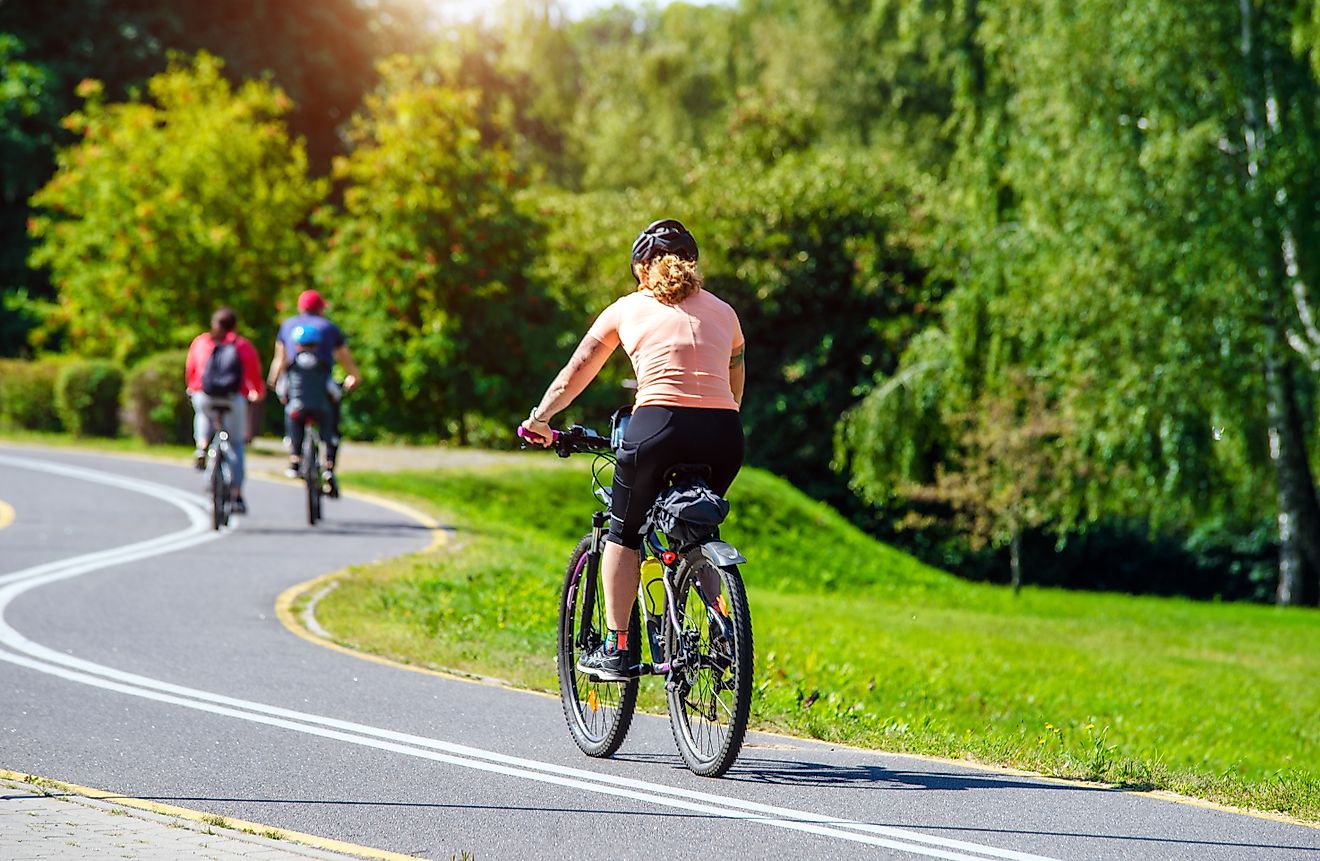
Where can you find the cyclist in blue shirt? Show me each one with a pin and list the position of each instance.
(330, 347)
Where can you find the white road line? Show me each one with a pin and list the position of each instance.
(54, 663)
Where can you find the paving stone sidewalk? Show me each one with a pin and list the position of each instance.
(36, 826)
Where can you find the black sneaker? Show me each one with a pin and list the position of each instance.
(331, 485)
(606, 666)
(199, 459)
(238, 506)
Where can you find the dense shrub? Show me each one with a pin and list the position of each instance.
(429, 266)
(27, 394)
(158, 408)
(87, 397)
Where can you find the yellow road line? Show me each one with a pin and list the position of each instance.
(45, 784)
(284, 612)
(284, 605)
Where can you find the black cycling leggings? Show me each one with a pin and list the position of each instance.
(658, 438)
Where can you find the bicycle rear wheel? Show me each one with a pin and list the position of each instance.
(312, 476)
(710, 687)
(598, 713)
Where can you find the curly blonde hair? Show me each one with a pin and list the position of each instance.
(670, 278)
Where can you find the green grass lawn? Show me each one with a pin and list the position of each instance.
(859, 643)
(119, 445)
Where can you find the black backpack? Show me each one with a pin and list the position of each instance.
(223, 373)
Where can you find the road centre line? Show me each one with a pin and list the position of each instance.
(43, 659)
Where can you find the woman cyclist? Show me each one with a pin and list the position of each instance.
(686, 348)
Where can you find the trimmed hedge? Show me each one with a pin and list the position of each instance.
(87, 397)
(157, 405)
(27, 394)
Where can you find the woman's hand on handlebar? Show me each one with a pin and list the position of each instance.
(537, 433)
(351, 382)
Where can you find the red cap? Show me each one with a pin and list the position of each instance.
(310, 300)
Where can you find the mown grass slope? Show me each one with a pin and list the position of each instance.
(859, 643)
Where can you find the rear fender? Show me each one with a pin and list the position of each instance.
(721, 553)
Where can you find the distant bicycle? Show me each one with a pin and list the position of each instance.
(693, 603)
(220, 462)
(310, 469)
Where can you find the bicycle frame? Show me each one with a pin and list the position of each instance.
(707, 663)
(719, 553)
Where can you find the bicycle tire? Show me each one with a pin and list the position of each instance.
(312, 478)
(218, 492)
(598, 713)
(708, 727)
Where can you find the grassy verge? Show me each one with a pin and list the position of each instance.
(122, 444)
(859, 643)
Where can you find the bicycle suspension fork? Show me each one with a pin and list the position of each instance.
(591, 582)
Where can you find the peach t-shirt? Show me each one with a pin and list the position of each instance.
(680, 353)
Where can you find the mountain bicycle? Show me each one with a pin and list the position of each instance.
(692, 604)
(220, 459)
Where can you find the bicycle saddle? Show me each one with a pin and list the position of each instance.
(681, 473)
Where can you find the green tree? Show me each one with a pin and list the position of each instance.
(815, 253)
(169, 206)
(429, 264)
(1129, 213)
(26, 122)
(1013, 471)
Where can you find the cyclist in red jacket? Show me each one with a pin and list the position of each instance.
(223, 369)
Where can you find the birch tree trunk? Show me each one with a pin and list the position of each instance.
(1299, 512)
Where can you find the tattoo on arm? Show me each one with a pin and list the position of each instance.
(736, 360)
(588, 356)
(584, 354)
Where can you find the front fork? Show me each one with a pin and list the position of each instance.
(590, 583)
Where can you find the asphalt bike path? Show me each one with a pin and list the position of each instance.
(141, 654)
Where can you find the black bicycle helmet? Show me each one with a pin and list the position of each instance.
(666, 236)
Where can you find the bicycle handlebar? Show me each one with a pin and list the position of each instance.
(575, 440)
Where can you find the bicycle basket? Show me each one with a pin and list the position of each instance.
(689, 513)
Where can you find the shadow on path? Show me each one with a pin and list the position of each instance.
(335, 526)
(602, 811)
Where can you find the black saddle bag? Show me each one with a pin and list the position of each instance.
(689, 513)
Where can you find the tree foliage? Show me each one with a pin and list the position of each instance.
(1125, 221)
(169, 206)
(428, 263)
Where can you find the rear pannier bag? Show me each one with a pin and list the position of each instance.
(689, 513)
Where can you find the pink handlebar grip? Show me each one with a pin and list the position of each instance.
(524, 433)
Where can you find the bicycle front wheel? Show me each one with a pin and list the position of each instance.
(219, 492)
(598, 713)
(710, 684)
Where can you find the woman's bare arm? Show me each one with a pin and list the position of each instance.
(277, 363)
(589, 357)
(738, 373)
